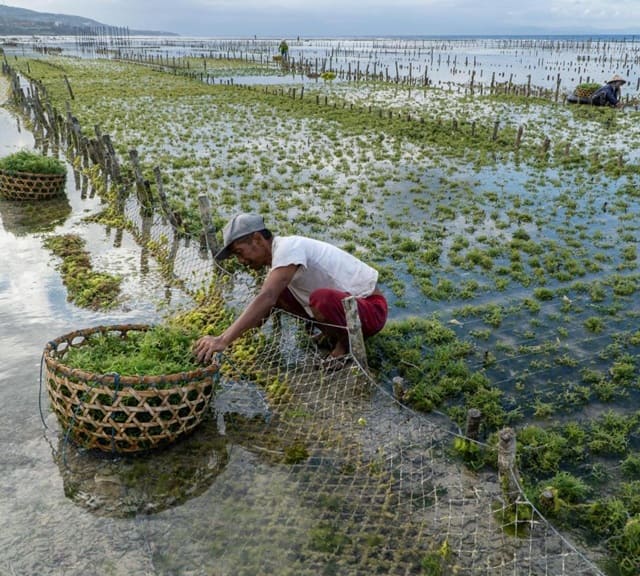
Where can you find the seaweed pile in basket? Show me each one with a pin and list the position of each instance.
(160, 350)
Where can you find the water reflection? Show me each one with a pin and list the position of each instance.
(13, 137)
(126, 486)
(29, 217)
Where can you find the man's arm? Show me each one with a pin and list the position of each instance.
(253, 315)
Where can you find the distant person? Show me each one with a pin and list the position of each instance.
(610, 94)
(307, 277)
(284, 49)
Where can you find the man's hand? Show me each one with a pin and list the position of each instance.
(206, 347)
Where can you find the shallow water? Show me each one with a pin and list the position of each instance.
(208, 505)
(51, 495)
(445, 61)
(40, 526)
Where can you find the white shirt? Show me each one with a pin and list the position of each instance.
(321, 265)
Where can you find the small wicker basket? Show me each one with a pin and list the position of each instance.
(116, 413)
(30, 186)
(586, 89)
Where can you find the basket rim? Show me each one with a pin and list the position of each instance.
(114, 380)
(38, 174)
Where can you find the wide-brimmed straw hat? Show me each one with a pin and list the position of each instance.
(617, 78)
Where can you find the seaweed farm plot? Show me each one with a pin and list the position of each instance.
(511, 265)
(461, 112)
(464, 64)
(356, 462)
(553, 354)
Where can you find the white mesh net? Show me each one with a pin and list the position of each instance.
(382, 489)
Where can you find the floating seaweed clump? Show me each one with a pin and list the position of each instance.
(85, 287)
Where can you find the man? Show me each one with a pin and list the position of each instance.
(307, 277)
(610, 93)
(283, 48)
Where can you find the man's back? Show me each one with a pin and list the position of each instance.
(605, 95)
(322, 265)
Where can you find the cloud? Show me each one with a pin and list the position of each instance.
(354, 17)
(24, 289)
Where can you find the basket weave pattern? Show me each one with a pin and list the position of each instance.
(582, 92)
(30, 186)
(123, 413)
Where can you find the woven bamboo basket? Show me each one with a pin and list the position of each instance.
(30, 186)
(585, 91)
(123, 414)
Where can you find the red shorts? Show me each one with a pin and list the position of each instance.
(371, 309)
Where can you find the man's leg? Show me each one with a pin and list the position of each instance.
(287, 301)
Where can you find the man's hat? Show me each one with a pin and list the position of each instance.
(239, 226)
(617, 78)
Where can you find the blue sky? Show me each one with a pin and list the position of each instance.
(354, 17)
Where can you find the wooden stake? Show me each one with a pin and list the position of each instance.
(143, 191)
(546, 144)
(66, 81)
(207, 224)
(354, 329)
(507, 464)
(114, 165)
(519, 136)
(496, 124)
(164, 203)
(474, 416)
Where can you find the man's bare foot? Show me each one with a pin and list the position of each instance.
(340, 349)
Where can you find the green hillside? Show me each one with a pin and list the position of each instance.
(23, 22)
